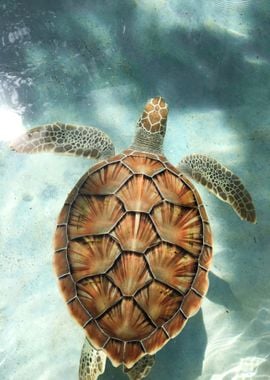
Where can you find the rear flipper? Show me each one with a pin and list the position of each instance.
(220, 181)
(141, 369)
(62, 138)
(92, 363)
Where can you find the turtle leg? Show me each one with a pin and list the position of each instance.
(220, 181)
(62, 138)
(92, 363)
(141, 369)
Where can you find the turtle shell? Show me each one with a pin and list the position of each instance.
(132, 251)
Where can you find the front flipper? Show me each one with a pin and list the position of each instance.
(62, 138)
(92, 363)
(141, 369)
(220, 181)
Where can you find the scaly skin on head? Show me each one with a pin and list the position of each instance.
(151, 127)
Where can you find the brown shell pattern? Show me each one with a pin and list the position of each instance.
(132, 251)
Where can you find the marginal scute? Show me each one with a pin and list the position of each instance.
(203, 213)
(191, 304)
(95, 335)
(67, 287)
(198, 198)
(97, 294)
(207, 234)
(175, 325)
(92, 215)
(179, 226)
(172, 265)
(133, 352)
(106, 180)
(126, 321)
(60, 238)
(174, 189)
(60, 263)
(130, 273)
(155, 341)
(201, 282)
(159, 302)
(139, 194)
(78, 311)
(92, 255)
(115, 350)
(172, 168)
(135, 232)
(71, 196)
(206, 257)
(64, 215)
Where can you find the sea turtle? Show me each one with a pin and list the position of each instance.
(133, 243)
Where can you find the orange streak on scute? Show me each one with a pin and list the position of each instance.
(67, 287)
(97, 294)
(133, 352)
(174, 190)
(94, 215)
(95, 335)
(169, 264)
(106, 180)
(143, 165)
(159, 301)
(179, 226)
(206, 257)
(175, 325)
(135, 232)
(115, 350)
(201, 282)
(78, 312)
(155, 342)
(126, 321)
(191, 304)
(207, 234)
(139, 194)
(91, 255)
(130, 273)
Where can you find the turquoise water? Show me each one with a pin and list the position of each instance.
(96, 63)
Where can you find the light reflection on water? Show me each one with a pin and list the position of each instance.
(11, 124)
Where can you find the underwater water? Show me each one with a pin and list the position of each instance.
(96, 63)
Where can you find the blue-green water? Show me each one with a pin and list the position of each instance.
(96, 63)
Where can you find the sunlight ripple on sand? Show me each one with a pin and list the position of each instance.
(241, 347)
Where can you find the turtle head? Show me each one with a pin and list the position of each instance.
(154, 116)
(151, 126)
